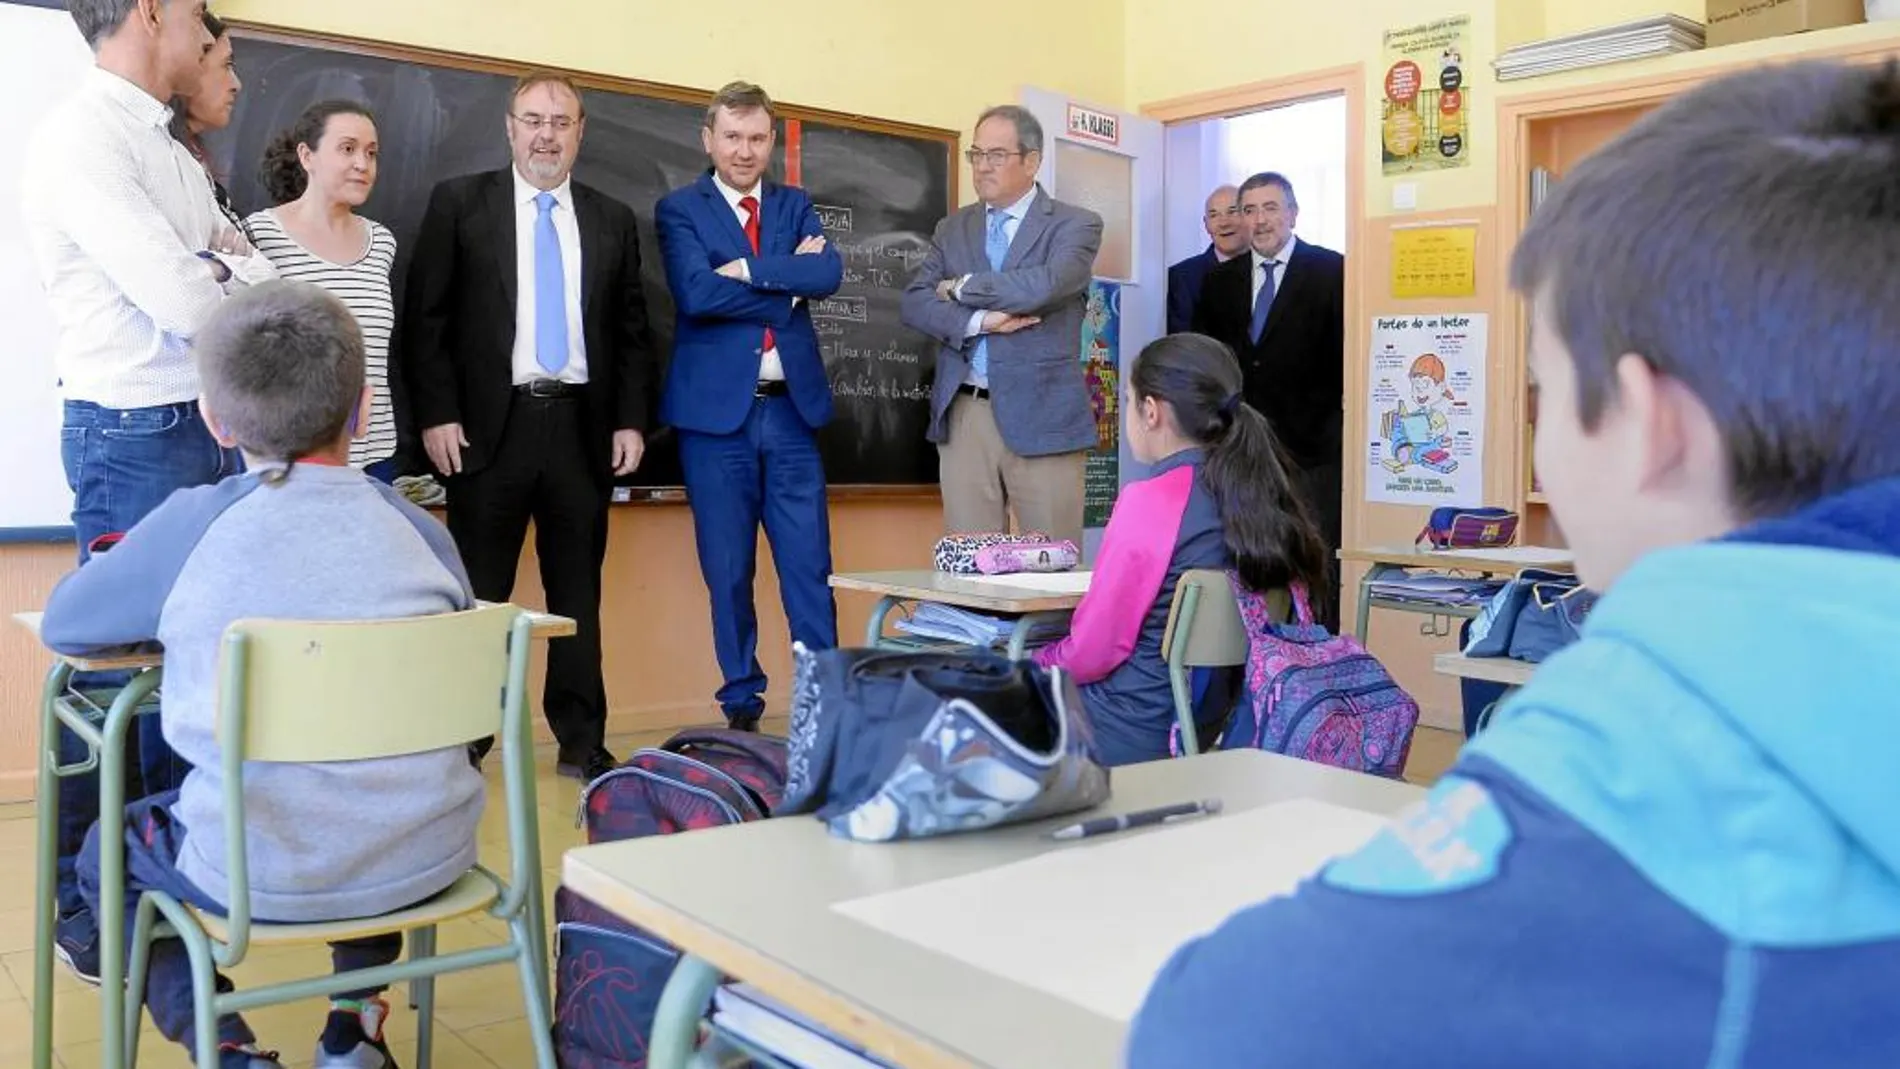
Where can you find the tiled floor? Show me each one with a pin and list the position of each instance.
(480, 1023)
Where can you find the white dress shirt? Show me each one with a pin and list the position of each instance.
(526, 366)
(1012, 221)
(1279, 269)
(770, 369)
(116, 212)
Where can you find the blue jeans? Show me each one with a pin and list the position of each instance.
(152, 839)
(767, 472)
(121, 464)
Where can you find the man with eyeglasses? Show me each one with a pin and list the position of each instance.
(528, 356)
(1228, 235)
(1282, 310)
(1003, 290)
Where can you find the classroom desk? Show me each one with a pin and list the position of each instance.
(754, 901)
(1382, 561)
(895, 589)
(1511, 673)
(103, 727)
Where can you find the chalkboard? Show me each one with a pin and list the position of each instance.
(882, 187)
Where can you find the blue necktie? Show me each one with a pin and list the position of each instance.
(1262, 304)
(996, 246)
(550, 290)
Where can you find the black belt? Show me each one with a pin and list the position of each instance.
(550, 389)
(981, 393)
(771, 388)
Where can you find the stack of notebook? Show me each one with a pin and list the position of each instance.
(951, 624)
(1434, 589)
(741, 1012)
(1658, 35)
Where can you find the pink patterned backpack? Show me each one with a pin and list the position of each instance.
(1318, 696)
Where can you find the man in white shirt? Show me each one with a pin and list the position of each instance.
(531, 397)
(746, 390)
(133, 256)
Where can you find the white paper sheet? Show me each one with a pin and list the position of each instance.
(1041, 582)
(1520, 554)
(1093, 923)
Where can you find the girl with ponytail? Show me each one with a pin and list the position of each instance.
(1220, 495)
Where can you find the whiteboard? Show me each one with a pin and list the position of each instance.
(43, 59)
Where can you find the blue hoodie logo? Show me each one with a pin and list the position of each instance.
(1450, 841)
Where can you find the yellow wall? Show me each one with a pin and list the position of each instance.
(895, 59)
(1183, 47)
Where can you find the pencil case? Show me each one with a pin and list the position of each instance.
(956, 553)
(1462, 528)
(1011, 557)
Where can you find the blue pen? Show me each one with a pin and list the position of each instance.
(1140, 819)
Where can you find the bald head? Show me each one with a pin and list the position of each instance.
(1224, 225)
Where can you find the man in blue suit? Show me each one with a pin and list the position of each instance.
(746, 389)
(1229, 236)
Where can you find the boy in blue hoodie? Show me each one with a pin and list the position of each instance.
(1678, 845)
(302, 536)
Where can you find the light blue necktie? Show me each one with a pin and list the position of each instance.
(550, 290)
(1262, 304)
(997, 247)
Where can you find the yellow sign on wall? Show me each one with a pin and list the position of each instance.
(1436, 261)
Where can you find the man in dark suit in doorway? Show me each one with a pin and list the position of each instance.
(1282, 310)
(528, 357)
(1228, 236)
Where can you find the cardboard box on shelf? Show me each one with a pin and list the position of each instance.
(1731, 21)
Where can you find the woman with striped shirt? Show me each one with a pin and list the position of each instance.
(318, 173)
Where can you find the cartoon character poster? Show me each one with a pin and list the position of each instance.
(1101, 362)
(1425, 410)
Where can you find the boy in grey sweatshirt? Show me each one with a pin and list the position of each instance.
(301, 536)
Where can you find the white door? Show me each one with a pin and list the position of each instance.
(1111, 163)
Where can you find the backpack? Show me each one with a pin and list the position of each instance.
(1313, 695)
(609, 974)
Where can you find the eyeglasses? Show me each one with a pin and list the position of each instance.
(560, 124)
(995, 157)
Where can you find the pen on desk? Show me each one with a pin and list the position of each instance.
(1140, 819)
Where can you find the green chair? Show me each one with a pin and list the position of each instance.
(1204, 630)
(314, 692)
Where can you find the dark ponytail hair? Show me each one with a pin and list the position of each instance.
(1268, 523)
(282, 172)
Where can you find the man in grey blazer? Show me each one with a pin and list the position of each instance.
(1003, 291)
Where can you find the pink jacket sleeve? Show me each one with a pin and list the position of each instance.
(1136, 550)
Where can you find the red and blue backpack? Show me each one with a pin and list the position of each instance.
(1315, 695)
(609, 974)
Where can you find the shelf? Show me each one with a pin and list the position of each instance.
(1536, 497)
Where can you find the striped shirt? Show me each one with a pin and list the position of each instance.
(363, 287)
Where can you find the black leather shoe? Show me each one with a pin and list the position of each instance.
(588, 767)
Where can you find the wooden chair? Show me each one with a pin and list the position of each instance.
(310, 692)
(1205, 631)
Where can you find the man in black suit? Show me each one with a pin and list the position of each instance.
(1228, 237)
(1282, 310)
(528, 356)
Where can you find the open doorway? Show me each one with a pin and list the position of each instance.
(1283, 306)
(1305, 141)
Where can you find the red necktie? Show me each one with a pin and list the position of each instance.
(751, 206)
